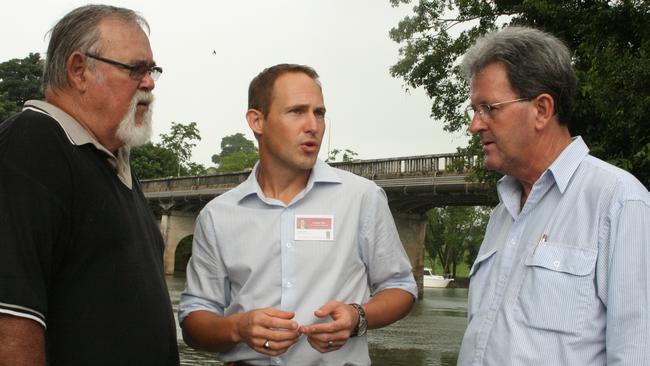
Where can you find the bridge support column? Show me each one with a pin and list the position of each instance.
(411, 229)
(174, 226)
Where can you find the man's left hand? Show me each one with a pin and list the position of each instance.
(331, 336)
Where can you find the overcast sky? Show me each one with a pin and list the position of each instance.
(346, 41)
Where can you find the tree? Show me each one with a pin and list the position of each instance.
(153, 161)
(20, 80)
(237, 153)
(180, 141)
(610, 41)
(346, 155)
(454, 234)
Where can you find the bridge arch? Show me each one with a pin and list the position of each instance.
(174, 226)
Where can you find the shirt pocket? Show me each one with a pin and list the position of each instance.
(557, 285)
(479, 281)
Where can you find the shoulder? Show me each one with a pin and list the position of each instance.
(30, 132)
(611, 180)
(351, 181)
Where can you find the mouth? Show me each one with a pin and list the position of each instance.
(310, 146)
(143, 104)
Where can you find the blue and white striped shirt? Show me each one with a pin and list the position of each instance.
(247, 255)
(566, 280)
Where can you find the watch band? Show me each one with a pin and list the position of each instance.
(362, 325)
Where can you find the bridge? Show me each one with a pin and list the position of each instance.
(413, 185)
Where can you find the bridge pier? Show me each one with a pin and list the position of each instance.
(411, 229)
(174, 226)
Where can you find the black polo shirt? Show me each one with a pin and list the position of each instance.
(80, 250)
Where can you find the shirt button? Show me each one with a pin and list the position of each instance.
(513, 243)
(288, 245)
(289, 284)
(277, 361)
(502, 278)
(556, 264)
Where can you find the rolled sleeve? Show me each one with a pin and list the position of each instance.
(207, 286)
(381, 248)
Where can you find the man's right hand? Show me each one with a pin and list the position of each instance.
(269, 326)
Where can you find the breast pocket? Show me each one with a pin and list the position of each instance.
(558, 283)
(479, 281)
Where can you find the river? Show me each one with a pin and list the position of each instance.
(429, 336)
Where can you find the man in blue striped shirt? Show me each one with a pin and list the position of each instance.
(563, 274)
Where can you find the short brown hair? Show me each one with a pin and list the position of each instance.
(260, 89)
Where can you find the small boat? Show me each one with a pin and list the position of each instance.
(431, 280)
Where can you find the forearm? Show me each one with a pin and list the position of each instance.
(387, 306)
(22, 342)
(208, 331)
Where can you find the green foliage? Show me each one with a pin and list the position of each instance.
(454, 234)
(238, 161)
(20, 80)
(170, 157)
(237, 153)
(233, 143)
(153, 161)
(610, 41)
(346, 155)
(180, 141)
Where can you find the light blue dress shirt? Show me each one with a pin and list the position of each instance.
(245, 256)
(566, 280)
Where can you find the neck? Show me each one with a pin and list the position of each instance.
(281, 184)
(540, 157)
(70, 104)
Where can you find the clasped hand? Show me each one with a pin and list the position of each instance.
(272, 332)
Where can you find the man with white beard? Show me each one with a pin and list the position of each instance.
(81, 274)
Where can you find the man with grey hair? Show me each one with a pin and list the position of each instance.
(563, 274)
(81, 279)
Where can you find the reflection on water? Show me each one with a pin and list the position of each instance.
(429, 336)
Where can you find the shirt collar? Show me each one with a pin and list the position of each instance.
(320, 173)
(78, 136)
(559, 172)
(567, 163)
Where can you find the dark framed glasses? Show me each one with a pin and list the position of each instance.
(137, 71)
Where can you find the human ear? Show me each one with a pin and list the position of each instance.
(255, 121)
(76, 67)
(545, 110)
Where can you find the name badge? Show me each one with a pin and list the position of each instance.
(314, 227)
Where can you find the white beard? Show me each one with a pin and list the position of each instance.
(129, 132)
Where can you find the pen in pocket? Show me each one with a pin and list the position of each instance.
(541, 240)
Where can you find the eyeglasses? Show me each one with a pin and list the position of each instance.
(485, 111)
(137, 71)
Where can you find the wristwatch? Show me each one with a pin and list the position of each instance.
(362, 325)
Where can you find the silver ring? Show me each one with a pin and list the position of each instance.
(330, 344)
(266, 344)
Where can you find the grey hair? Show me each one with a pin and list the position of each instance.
(536, 62)
(78, 31)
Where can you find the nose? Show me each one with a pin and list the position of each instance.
(476, 125)
(147, 83)
(312, 122)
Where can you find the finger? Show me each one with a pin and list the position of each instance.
(282, 335)
(324, 338)
(324, 347)
(274, 348)
(276, 313)
(323, 328)
(327, 309)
